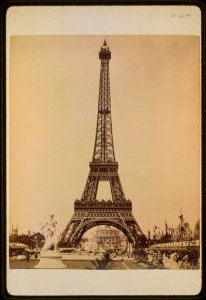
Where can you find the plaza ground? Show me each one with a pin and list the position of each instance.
(80, 264)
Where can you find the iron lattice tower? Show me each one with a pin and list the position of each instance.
(88, 211)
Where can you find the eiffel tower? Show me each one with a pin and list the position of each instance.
(88, 211)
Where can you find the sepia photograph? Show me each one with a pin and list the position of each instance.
(104, 150)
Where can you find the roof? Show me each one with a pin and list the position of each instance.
(17, 245)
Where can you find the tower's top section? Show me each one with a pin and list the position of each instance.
(104, 148)
(104, 53)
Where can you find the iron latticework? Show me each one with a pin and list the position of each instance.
(88, 211)
(104, 148)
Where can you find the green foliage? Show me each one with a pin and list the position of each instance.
(189, 259)
(32, 241)
(28, 255)
(157, 259)
(103, 263)
(141, 255)
(196, 232)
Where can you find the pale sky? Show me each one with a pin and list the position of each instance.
(52, 109)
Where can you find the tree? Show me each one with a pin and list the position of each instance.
(141, 255)
(196, 232)
(187, 232)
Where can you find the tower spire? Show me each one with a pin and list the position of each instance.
(105, 41)
(104, 147)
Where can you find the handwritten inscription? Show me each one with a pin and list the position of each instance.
(180, 14)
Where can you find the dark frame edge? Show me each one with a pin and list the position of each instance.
(5, 5)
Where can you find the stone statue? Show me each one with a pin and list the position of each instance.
(50, 233)
(50, 257)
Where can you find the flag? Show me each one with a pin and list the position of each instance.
(181, 219)
(166, 227)
(15, 231)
